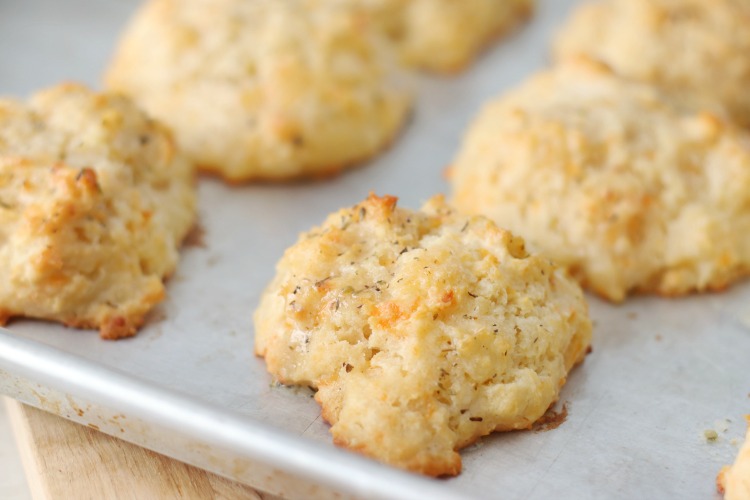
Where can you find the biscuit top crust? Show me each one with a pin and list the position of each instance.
(94, 201)
(613, 181)
(697, 49)
(442, 35)
(422, 330)
(263, 89)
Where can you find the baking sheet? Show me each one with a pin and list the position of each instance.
(662, 371)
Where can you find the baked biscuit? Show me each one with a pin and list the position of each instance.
(94, 202)
(697, 50)
(262, 89)
(421, 330)
(627, 191)
(443, 35)
(734, 481)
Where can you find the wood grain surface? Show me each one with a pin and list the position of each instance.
(64, 460)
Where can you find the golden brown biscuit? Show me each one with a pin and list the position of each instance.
(612, 181)
(443, 35)
(259, 89)
(421, 330)
(734, 481)
(698, 50)
(94, 202)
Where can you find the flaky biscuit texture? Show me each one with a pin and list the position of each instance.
(262, 89)
(442, 35)
(94, 202)
(421, 330)
(611, 180)
(696, 49)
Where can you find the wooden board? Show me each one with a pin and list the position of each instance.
(65, 460)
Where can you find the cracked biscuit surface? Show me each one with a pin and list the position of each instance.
(697, 50)
(421, 330)
(262, 89)
(443, 35)
(609, 179)
(94, 202)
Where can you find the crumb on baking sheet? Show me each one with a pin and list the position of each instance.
(722, 425)
(552, 419)
(196, 236)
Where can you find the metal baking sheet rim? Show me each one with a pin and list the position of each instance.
(172, 424)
